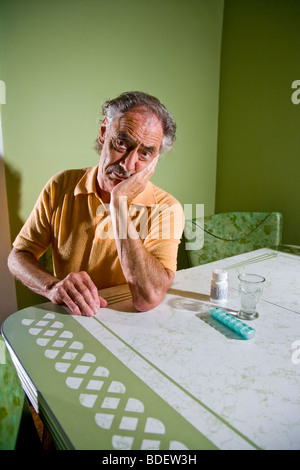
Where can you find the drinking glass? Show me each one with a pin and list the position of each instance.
(250, 289)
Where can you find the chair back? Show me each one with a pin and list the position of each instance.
(231, 233)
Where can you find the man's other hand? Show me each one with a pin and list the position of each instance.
(78, 292)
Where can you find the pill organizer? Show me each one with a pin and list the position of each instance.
(239, 327)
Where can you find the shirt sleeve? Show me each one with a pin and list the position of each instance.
(35, 235)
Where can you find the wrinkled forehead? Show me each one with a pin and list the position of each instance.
(139, 124)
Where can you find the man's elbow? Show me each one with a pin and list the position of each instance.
(144, 300)
(11, 261)
(143, 304)
(15, 261)
(151, 295)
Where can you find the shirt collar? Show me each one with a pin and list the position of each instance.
(87, 185)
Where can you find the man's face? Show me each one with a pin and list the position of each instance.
(130, 143)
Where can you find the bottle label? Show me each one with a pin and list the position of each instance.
(219, 292)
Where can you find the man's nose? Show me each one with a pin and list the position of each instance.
(128, 163)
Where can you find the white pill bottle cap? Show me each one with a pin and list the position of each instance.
(219, 275)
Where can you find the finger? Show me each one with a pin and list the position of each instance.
(152, 165)
(100, 302)
(88, 291)
(148, 171)
(82, 300)
(80, 294)
(103, 302)
(86, 303)
(64, 298)
(92, 289)
(73, 307)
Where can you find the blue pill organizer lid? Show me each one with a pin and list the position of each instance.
(239, 327)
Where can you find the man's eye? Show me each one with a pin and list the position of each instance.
(144, 155)
(121, 143)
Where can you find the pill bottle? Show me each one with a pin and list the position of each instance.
(219, 286)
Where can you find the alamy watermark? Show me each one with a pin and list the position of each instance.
(296, 94)
(158, 221)
(296, 354)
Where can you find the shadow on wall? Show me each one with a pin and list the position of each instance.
(25, 297)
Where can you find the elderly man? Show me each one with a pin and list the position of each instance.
(107, 225)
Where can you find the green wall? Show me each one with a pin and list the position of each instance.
(61, 59)
(259, 127)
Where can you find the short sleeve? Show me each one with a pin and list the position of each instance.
(35, 235)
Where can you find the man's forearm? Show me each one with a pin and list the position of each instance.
(76, 291)
(30, 272)
(147, 278)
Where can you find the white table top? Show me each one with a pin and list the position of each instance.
(230, 393)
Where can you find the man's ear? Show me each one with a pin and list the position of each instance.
(102, 132)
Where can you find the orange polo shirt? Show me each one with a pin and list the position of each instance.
(71, 217)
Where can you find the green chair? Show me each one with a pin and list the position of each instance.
(222, 235)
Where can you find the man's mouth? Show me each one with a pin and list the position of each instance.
(119, 176)
(117, 173)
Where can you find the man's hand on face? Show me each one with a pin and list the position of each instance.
(78, 292)
(133, 186)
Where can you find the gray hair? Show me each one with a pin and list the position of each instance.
(112, 109)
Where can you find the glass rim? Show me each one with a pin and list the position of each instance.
(259, 279)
